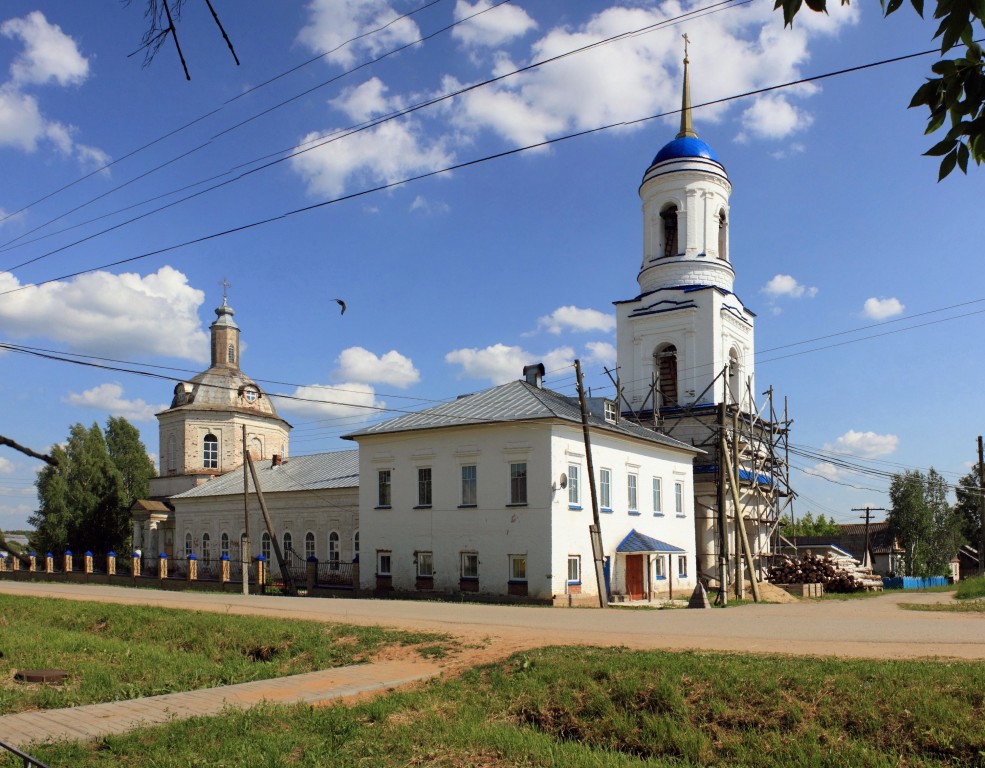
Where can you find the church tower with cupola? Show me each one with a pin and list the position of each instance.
(686, 339)
(201, 433)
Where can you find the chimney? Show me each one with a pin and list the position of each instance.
(275, 460)
(534, 374)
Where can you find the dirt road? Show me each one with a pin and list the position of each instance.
(868, 628)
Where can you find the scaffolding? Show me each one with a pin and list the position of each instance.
(743, 473)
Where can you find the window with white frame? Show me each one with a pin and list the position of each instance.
(518, 567)
(206, 547)
(631, 492)
(574, 486)
(333, 550)
(469, 478)
(610, 411)
(288, 542)
(682, 566)
(470, 565)
(383, 562)
(188, 545)
(574, 569)
(210, 452)
(425, 565)
(518, 482)
(679, 498)
(309, 545)
(424, 486)
(658, 501)
(605, 488)
(265, 545)
(224, 544)
(383, 488)
(658, 566)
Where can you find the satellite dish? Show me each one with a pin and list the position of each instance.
(563, 481)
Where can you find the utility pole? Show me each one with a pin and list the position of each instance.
(284, 572)
(244, 545)
(722, 598)
(981, 508)
(866, 561)
(595, 530)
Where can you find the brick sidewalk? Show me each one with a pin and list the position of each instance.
(96, 720)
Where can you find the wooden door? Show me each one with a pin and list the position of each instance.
(634, 577)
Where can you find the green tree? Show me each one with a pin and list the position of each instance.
(84, 501)
(968, 507)
(923, 522)
(957, 95)
(808, 526)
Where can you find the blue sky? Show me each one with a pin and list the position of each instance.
(454, 282)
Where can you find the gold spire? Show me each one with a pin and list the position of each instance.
(686, 128)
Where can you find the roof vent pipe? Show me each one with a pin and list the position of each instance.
(534, 375)
(276, 460)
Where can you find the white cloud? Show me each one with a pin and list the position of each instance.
(358, 364)
(49, 54)
(332, 22)
(114, 315)
(499, 363)
(785, 285)
(365, 101)
(867, 445)
(493, 28)
(21, 122)
(353, 402)
(828, 471)
(575, 319)
(429, 207)
(600, 353)
(109, 398)
(774, 117)
(6, 466)
(881, 309)
(381, 155)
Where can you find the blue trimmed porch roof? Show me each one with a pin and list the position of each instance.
(637, 543)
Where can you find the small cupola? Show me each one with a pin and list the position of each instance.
(225, 338)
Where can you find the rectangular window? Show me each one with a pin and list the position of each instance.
(631, 492)
(469, 485)
(605, 488)
(424, 486)
(682, 566)
(679, 498)
(518, 483)
(610, 411)
(518, 567)
(658, 566)
(425, 565)
(383, 563)
(574, 492)
(383, 497)
(574, 569)
(658, 501)
(470, 565)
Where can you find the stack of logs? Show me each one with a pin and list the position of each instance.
(842, 574)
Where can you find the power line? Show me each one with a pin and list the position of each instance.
(447, 169)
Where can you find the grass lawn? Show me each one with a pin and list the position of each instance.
(968, 598)
(114, 652)
(602, 707)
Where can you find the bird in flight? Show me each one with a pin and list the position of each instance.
(341, 304)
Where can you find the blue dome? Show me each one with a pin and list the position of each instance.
(686, 146)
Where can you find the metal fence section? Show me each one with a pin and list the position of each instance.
(28, 761)
(334, 574)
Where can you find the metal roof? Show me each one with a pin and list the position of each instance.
(339, 469)
(639, 543)
(514, 401)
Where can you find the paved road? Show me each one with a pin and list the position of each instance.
(870, 628)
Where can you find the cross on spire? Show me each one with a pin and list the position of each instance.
(226, 285)
(687, 130)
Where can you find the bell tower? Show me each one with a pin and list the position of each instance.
(686, 339)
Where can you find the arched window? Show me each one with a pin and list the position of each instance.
(734, 379)
(231, 353)
(256, 449)
(309, 545)
(669, 217)
(665, 360)
(206, 547)
(722, 236)
(188, 544)
(224, 544)
(288, 542)
(333, 550)
(265, 545)
(355, 547)
(172, 454)
(210, 452)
